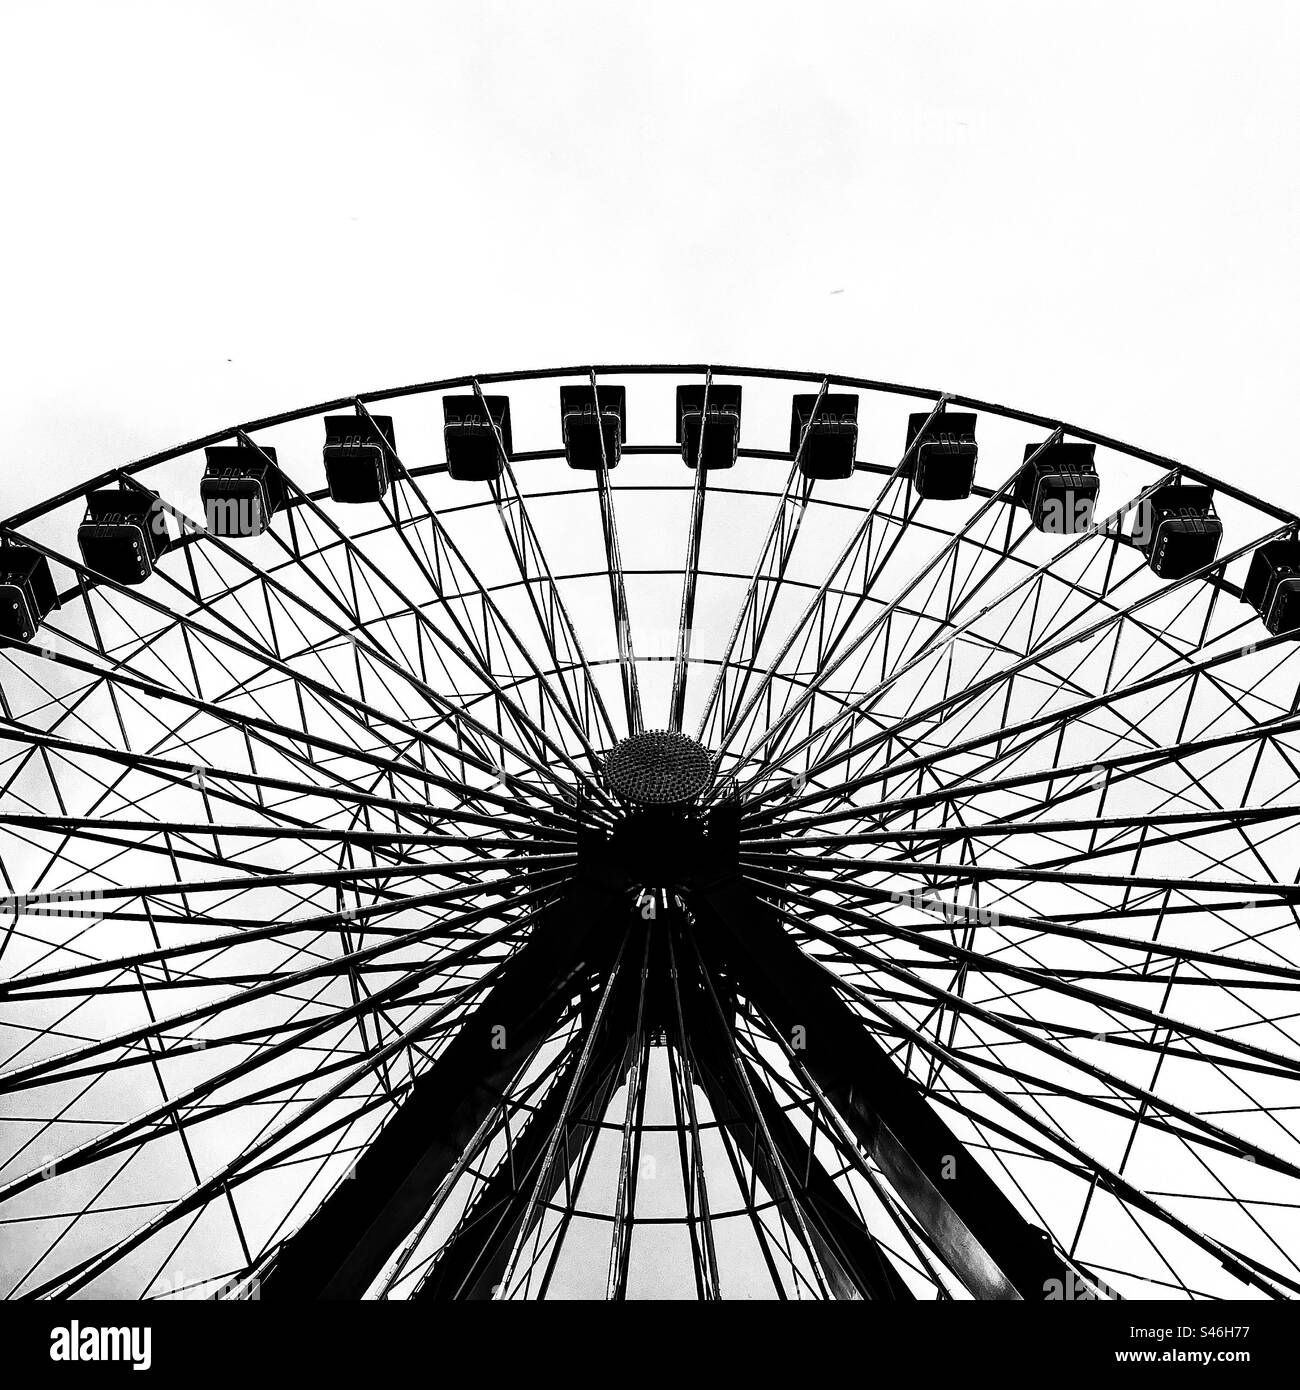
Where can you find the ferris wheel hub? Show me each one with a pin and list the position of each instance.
(658, 768)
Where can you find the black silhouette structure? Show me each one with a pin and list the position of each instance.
(388, 920)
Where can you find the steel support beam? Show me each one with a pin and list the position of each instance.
(855, 1265)
(343, 1246)
(973, 1227)
(471, 1262)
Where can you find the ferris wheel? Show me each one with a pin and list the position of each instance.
(669, 831)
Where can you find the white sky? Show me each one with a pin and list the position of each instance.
(222, 210)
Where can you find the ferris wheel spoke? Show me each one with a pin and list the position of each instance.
(772, 1162)
(1034, 728)
(184, 1113)
(175, 855)
(1039, 726)
(457, 590)
(151, 689)
(1110, 769)
(189, 1107)
(29, 902)
(555, 626)
(1157, 969)
(184, 1109)
(957, 873)
(1146, 1110)
(857, 552)
(318, 1059)
(1045, 1123)
(195, 778)
(307, 834)
(365, 714)
(1048, 980)
(941, 631)
(469, 1262)
(299, 747)
(875, 1260)
(1231, 820)
(744, 1164)
(819, 630)
(1113, 616)
(354, 643)
(583, 701)
(690, 572)
(242, 1167)
(1025, 594)
(1234, 820)
(209, 791)
(243, 625)
(852, 1260)
(1134, 1200)
(516, 865)
(469, 646)
(348, 837)
(979, 1234)
(453, 1098)
(1023, 1145)
(1150, 972)
(249, 1163)
(1178, 838)
(1153, 950)
(80, 944)
(25, 1076)
(936, 836)
(614, 983)
(340, 922)
(880, 623)
(207, 778)
(553, 619)
(751, 622)
(921, 1253)
(636, 1062)
(684, 1074)
(1175, 829)
(588, 1126)
(618, 602)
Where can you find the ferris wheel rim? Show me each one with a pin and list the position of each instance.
(382, 395)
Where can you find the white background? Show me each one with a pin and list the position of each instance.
(216, 211)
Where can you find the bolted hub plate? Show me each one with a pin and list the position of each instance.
(658, 768)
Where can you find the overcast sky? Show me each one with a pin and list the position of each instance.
(221, 210)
